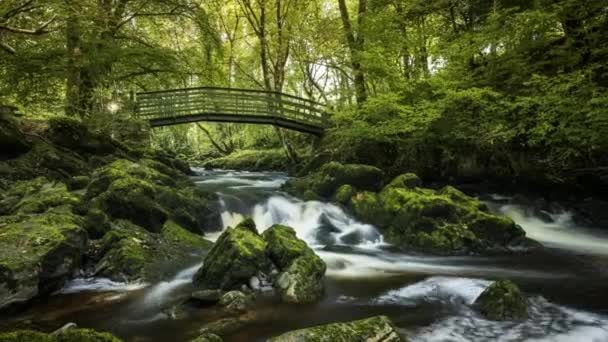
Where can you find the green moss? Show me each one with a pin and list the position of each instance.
(283, 246)
(126, 250)
(442, 222)
(344, 194)
(238, 255)
(502, 301)
(72, 335)
(208, 338)
(331, 176)
(406, 180)
(302, 281)
(35, 196)
(174, 233)
(379, 328)
(38, 253)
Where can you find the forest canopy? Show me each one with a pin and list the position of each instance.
(465, 75)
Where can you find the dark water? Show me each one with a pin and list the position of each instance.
(429, 298)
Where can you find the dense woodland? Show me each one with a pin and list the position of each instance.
(465, 157)
(520, 86)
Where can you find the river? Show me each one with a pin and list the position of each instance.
(429, 298)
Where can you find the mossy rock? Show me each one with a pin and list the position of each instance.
(238, 255)
(406, 180)
(71, 335)
(128, 252)
(331, 176)
(444, 221)
(379, 328)
(236, 301)
(125, 250)
(502, 301)
(344, 194)
(78, 182)
(148, 197)
(38, 253)
(283, 246)
(35, 197)
(208, 338)
(302, 271)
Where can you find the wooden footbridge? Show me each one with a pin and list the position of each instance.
(172, 107)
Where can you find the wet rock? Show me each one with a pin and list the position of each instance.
(148, 197)
(41, 242)
(301, 271)
(237, 256)
(70, 335)
(207, 296)
(444, 221)
(236, 301)
(208, 338)
(224, 326)
(128, 252)
(375, 329)
(406, 180)
(243, 259)
(331, 176)
(502, 301)
(344, 194)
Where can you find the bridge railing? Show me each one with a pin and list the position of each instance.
(226, 101)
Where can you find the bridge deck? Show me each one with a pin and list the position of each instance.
(171, 107)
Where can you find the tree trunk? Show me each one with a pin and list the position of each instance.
(355, 44)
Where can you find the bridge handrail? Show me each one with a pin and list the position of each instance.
(231, 90)
(242, 104)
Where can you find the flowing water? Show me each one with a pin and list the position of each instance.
(428, 297)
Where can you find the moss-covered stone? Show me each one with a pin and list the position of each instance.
(344, 194)
(71, 335)
(128, 252)
(237, 256)
(38, 253)
(35, 196)
(502, 301)
(208, 338)
(302, 271)
(331, 176)
(148, 197)
(374, 329)
(236, 301)
(406, 180)
(78, 182)
(443, 222)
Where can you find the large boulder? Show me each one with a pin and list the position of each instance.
(238, 255)
(241, 257)
(444, 221)
(302, 271)
(324, 182)
(41, 240)
(502, 301)
(128, 252)
(374, 329)
(148, 194)
(70, 335)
